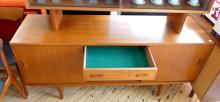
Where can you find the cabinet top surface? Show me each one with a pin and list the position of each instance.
(107, 30)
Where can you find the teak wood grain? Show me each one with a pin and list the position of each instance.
(47, 57)
(107, 30)
(207, 26)
(179, 62)
(105, 33)
(213, 91)
(211, 69)
(50, 64)
(41, 63)
(208, 74)
(176, 21)
(55, 18)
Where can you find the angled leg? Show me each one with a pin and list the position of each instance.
(22, 81)
(159, 90)
(19, 88)
(61, 91)
(191, 93)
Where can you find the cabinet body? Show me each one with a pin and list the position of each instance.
(57, 57)
(63, 64)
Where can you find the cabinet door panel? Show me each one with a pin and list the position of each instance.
(50, 64)
(179, 62)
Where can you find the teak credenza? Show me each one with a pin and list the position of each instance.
(110, 50)
(47, 57)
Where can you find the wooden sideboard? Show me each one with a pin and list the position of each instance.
(48, 57)
(176, 47)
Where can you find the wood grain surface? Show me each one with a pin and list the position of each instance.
(107, 30)
(208, 74)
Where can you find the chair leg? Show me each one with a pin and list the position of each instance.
(25, 88)
(19, 88)
(5, 88)
(61, 91)
(2, 70)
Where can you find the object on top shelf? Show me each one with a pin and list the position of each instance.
(93, 1)
(139, 2)
(174, 2)
(78, 2)
(157, 2)
(109, 1)
(41, 1)
(195, 3)
(56, 1)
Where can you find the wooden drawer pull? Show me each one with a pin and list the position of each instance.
(141, 75)
(95, 75)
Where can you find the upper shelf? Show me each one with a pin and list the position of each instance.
(120, 5)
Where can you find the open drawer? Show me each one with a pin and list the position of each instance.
(112, 63)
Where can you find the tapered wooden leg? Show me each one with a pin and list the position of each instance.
(25, 88)
(19, 88)
(191, 93)
(159, 90)
(24, 85)
(5, 88)
(61, 91)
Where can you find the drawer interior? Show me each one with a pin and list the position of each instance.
(115, 57)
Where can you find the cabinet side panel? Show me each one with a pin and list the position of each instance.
(208, 74)
(213, 92)
(179, 62)
(50, 64)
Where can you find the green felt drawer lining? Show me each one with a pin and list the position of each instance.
(115, 57)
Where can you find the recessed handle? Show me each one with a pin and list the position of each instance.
(141, 75)
(95, 75)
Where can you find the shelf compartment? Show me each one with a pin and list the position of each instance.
(77, 3)
(108, 63)
(166, 6)
(121, 5)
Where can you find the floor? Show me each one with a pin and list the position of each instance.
(171, 93)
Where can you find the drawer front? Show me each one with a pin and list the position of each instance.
(120, 73)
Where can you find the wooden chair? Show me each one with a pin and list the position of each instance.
(11, 79)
